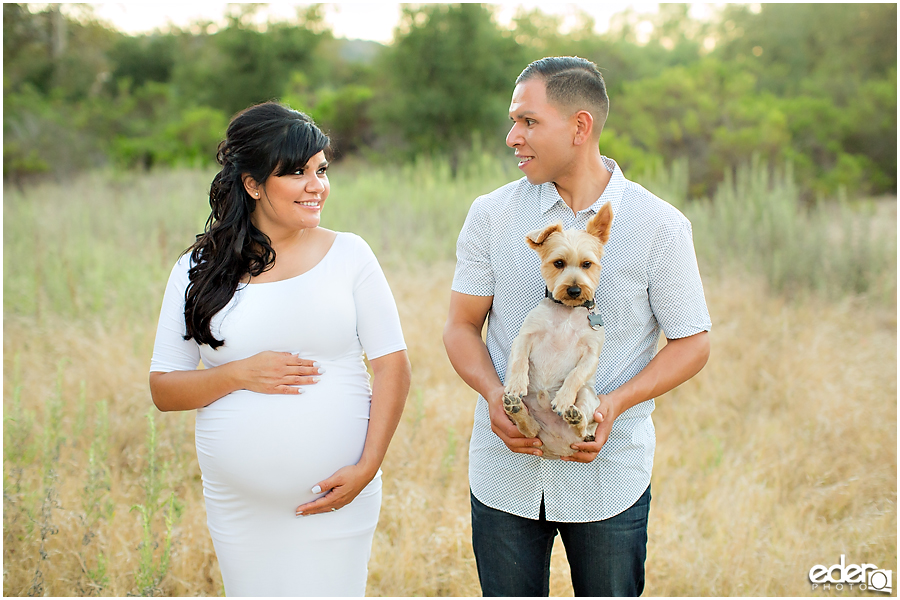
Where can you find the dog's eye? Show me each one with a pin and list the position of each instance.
(558, 264)
(586, 264)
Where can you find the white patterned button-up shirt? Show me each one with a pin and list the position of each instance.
(649, 284)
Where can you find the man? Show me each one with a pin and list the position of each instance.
(598, 499)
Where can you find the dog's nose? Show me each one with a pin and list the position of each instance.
(574, 291)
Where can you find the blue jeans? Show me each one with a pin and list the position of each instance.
(606, 557)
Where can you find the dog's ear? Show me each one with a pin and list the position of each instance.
(601, 223)
(539, 236)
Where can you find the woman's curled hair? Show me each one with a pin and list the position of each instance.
(263, 140)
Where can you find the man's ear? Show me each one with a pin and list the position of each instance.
(601, 223)
(536, 238)
(584, 127)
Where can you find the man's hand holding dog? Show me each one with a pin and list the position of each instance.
(677, 361)
(506, 430)
(605, 414)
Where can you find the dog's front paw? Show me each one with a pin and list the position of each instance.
(560, 405)
(517, 386)
(512, 403)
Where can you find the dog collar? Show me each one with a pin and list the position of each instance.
(594, 319)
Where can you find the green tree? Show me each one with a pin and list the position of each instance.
(53, 53)
(835, 67)
(870, 130)
(27, 59)
(820, 48)
(143, 58)
(244, 63)
(708, 114)
(449, 76)
(341, 112)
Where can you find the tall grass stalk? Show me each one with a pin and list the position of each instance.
(17, 451)
(52, 442)
(152, 570)
(81, 412)
(95, 503)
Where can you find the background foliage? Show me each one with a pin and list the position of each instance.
(814, 85)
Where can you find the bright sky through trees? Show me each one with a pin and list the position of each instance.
(353, 20)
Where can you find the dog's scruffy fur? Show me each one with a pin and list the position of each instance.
(549, 389)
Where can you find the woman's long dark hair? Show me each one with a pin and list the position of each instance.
(263, 140)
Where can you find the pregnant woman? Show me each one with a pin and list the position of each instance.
(290, 436)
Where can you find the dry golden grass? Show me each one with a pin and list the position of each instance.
(780, 455)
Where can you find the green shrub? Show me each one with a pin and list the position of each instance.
(757, 221)
(105, 243)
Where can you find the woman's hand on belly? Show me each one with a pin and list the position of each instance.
(341, 488)
(276, 373)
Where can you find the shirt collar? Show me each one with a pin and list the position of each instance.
(612, 194)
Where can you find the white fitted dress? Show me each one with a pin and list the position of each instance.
(261, 454)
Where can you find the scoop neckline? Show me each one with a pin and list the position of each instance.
(306, 272)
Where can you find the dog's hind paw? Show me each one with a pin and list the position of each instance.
(573, 416)
(512, 403)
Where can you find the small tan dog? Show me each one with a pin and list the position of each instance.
(549, 389)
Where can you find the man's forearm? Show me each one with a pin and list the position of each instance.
(680, 360)
(469, 357)
(677, 362)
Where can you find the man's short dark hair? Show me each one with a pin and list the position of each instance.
(572, 83)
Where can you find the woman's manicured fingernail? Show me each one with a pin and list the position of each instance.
(317, 490)
(321, 370)
(299, 514)
(315, 379)
(317, 364)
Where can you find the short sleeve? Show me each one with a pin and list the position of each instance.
(377, 320)
(676, 292)
(171, 352)
(474, 273)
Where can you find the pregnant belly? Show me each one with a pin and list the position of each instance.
(272, 449)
